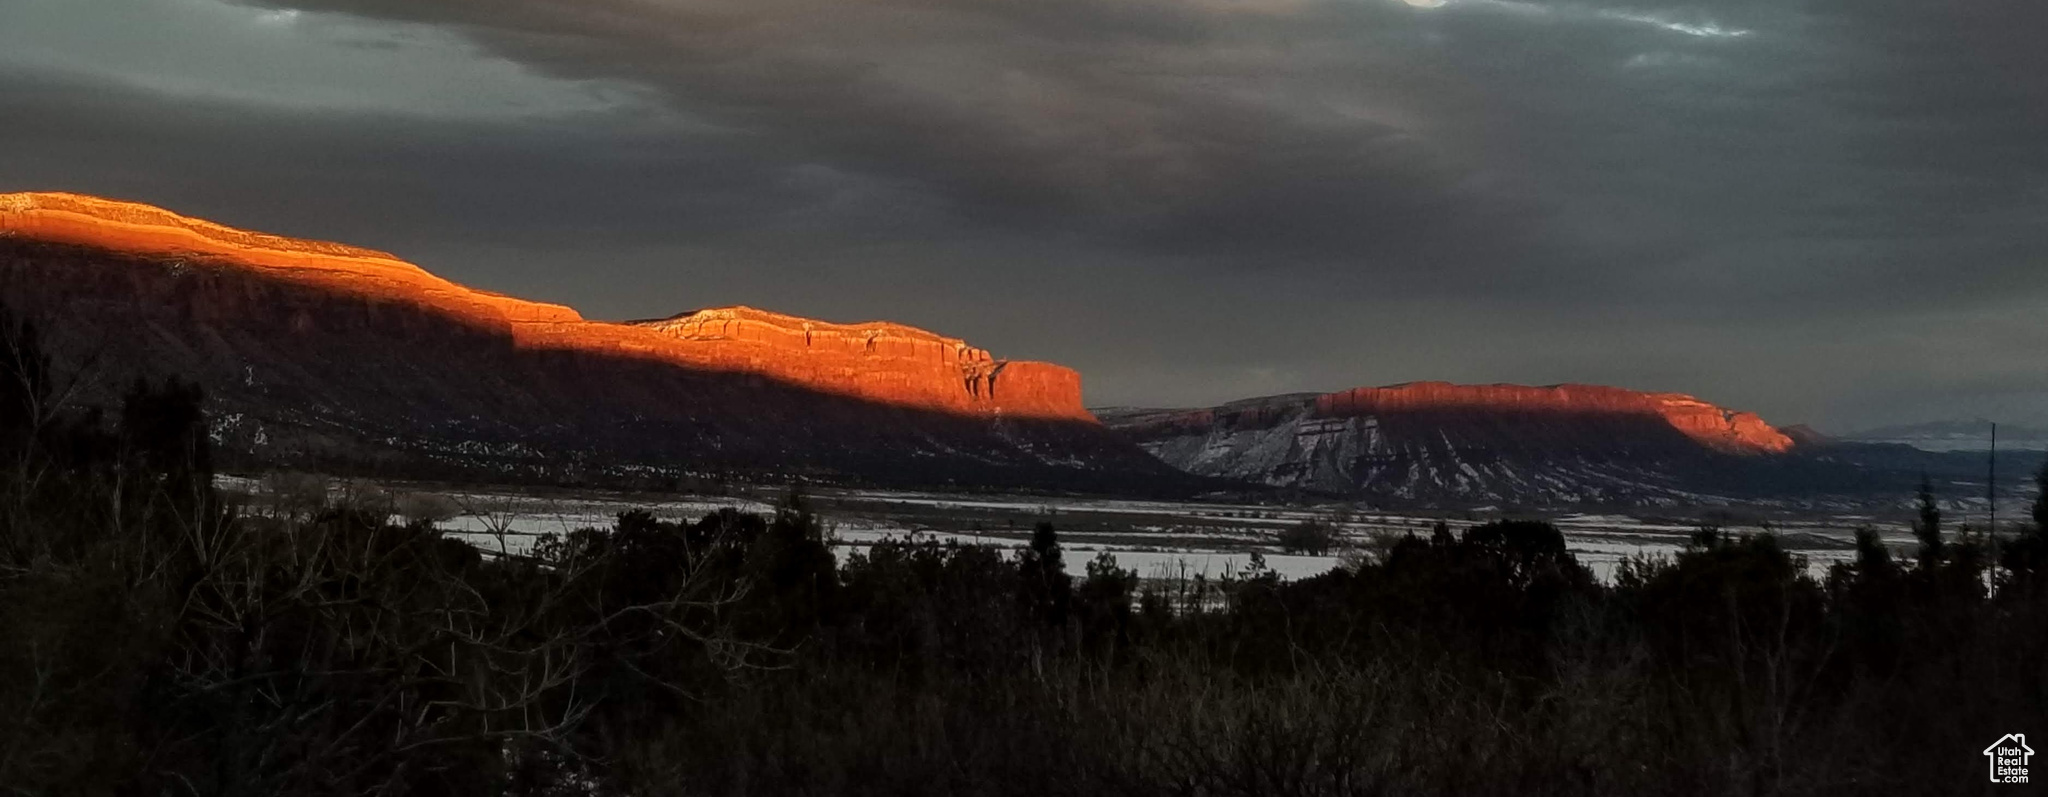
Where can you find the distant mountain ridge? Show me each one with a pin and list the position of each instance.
(1954, 435)
(1436, 442)
(330, 357)
(879, 361)
(324, 355)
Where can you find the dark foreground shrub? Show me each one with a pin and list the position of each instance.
(153, 640)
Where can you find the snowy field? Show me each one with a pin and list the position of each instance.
(1158, 539)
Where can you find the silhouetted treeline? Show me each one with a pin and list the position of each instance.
(154, 640)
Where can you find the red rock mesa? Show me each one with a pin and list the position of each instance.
(1432, 442)
(875, 361)
(1726, 431)
(1581, 407)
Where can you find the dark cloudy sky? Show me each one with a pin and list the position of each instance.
(1833, 211)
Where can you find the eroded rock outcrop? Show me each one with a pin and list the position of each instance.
(1436, 442)
(323, 355)
(880, 360)
(146, 230)
(1723, 430)
(875, 361)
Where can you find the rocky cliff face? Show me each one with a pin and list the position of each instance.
(877, 361)
(1712, 427)
(315, 352)
(1441, 443)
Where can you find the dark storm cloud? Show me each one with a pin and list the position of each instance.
(1485, 137)
(1826, 210)
(1165, 125)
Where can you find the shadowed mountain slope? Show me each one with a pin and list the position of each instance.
(322, 355)
(1443, 444)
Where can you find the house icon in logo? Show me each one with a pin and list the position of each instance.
(2008, 757)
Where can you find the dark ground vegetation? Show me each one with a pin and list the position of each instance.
(154, 641)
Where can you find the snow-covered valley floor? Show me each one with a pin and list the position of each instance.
(1158, 539)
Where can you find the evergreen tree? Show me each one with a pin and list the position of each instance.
(1928, 527)
(2026, 559)
(2041, 501)
(1046, 585)
(1871, 557)
(164, 429)
(1440, 535)
(1045, 550)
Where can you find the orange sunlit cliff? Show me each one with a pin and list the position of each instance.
(322, 356)
(1439, 442)
(1706, 425)
(876, 361)
(1727, 431)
